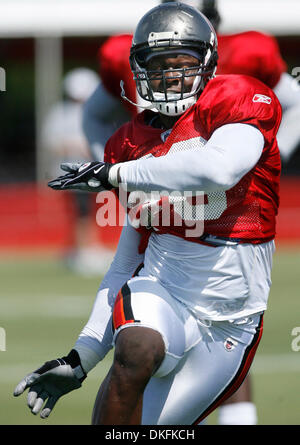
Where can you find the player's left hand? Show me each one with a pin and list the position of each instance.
(50, 382)
(88, 176)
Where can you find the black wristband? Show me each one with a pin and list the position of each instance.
(73, 360)
(104, 175)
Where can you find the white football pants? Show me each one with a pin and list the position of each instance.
(205, 361)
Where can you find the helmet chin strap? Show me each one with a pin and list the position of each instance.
(123, 95)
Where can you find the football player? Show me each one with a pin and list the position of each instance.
(251, 53)
(106, 110)
(187, 325)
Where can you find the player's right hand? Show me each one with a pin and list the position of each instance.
(51, 381)
(88, 176)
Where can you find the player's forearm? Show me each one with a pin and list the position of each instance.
(288, 135)
(231, 152)
(126, 259)
(95, 339)
(288, 91)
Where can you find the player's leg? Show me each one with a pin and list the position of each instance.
(138, 353)
(208, 374)
(136, 413)
(239, 409)
(149, 339)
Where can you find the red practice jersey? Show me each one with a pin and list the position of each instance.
(251, 53)
(248, 210)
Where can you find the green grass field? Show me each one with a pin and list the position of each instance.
(44, 307)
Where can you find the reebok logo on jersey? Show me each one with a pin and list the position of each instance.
(261, 98)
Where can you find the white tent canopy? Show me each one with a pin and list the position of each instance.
(35, 18)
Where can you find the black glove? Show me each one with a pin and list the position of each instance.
(51, 381)
(88, 176)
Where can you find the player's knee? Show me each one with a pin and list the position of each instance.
(138, 354)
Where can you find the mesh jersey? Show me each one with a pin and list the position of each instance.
(248, 210)
(251, 53)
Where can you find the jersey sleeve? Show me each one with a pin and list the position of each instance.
(113, 57)
(239, 99)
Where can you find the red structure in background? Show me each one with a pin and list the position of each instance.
(288, 221)
(38, 218)
(35, 218)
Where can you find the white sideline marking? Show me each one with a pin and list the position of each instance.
(46, 307)
(276, 363)
(263, 364)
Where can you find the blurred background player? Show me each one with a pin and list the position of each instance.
(105, 111)
(64, 139)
